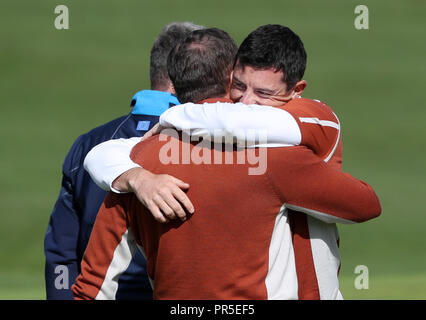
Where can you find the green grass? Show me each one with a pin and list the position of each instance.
(21, 286)
(55, 85)
(390, 287)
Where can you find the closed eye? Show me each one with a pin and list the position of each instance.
(263, 93)
(238, 85)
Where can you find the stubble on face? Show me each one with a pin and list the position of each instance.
(259, 86)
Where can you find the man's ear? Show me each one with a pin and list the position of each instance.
(298, 88)
(231, 77)
(171, 88)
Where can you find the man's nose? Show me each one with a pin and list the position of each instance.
(248, 98)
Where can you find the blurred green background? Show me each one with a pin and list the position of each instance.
(58, 84)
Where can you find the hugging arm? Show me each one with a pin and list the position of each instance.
(110, 166)
(235, 121)
(316, 188)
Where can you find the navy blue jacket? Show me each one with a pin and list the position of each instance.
(77, 206)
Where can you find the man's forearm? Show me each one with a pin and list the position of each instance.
(128, 181)
(108, 160)
(234, 120)
(345, 201)
(317, 189)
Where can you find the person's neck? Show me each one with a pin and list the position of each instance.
(168, 89)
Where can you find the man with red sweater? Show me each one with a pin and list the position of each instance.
(241, 243)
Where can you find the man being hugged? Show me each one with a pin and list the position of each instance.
(243, 241)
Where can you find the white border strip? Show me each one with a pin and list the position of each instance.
(337, 140)
(122, 257)
(324, 123)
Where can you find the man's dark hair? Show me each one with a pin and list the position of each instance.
(200, 67)
(274, 46)
(170, 36)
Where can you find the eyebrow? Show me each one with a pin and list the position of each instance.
(235, 79)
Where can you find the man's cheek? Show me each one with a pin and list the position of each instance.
(271, 102)
(236, 95)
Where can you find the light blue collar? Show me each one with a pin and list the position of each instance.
(152, 102)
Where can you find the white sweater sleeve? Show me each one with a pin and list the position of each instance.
(234, 120)
(108, 160)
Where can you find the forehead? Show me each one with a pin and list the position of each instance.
(262, 78)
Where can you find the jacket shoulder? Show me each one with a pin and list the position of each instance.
(85, 142)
